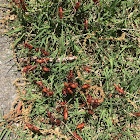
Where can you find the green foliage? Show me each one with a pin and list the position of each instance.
(110, 46)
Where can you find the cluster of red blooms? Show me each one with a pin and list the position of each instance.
(65, 113)
(29, 68)
(70, 88)
(77, 6)
(92, 103)
(53, 121)
(20, 4)
(40, 61)
(79, 126)
(45, 90)
(75, 9)
(71, 85)
(30, 47)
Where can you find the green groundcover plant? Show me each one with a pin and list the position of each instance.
(81, 61)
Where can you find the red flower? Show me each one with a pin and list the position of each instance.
(86, 23)
(87, 69)
(85, 86)
(50, 93)
(39, 61)
(63, 103)
(20, 3)
(32, 68)
(77, 6)
(60, 12)
(119, 89)
(45, 90)
(137, 114)
(28, 46)
(75, 136)
(29, 125)
(23, 5)
(65, 113)
(64, 91)
(66, 84)
(74, 85)
(33, 128)
(58, 122)
(27, 68)
(80, 125)
(45, 53)
(45, 69)
(37, 49)
(17, 3)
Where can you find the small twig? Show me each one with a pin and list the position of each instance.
(19, 107)
(137, 101)
(125, 29)
(16, 81)
(130, 114)
(74, 37)
(21, 84)
(131, 95)
(132, 103)
(65, 59)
